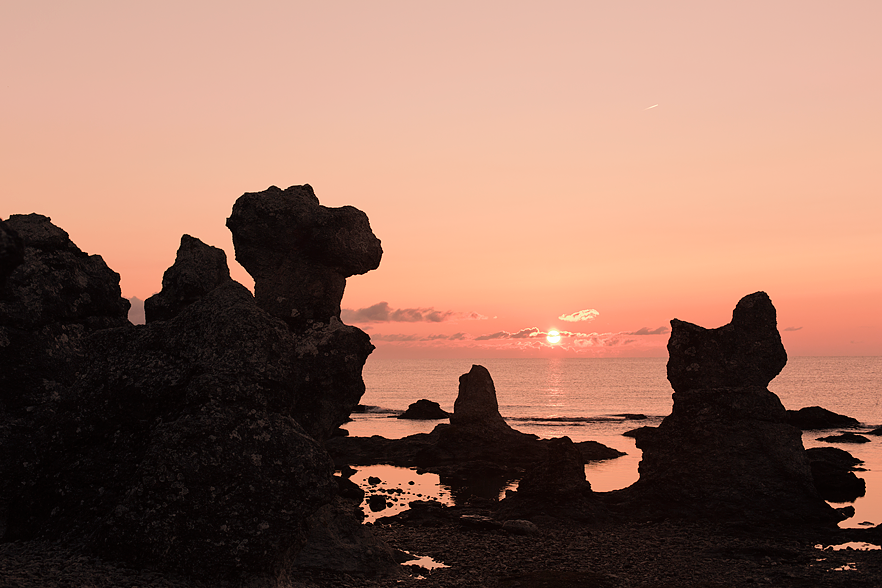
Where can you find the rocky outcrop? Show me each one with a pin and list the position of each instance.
(299, 252)
(49, 302)
(846, 437)
(424, 410)
(555, 487)
(198, 269)
(833, 473)
(192, 443)
(814, 417)
(726, 450)
(11, 251)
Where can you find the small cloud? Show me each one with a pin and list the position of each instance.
(589, 314)
(663, 330)
(382, 312)
(792, 328)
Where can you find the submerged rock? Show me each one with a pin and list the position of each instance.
(726, 450)
(846, 437)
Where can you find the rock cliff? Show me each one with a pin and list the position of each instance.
(194, 442)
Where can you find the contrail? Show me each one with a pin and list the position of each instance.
(653, 106)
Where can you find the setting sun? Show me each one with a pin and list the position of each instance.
(553, 337)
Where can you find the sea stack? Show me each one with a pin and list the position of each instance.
(726, 450)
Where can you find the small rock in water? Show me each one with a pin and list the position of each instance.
(377, 503)
(845, 438)
(373, 480)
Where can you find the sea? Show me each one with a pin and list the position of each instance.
(599, 399)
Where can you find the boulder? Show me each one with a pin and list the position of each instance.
(554, 487)
(726, 451)
(815, 417)
(833, 475)
(424, 410)
(300, 252)
(198, 269)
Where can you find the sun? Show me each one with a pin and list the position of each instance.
(553, 337)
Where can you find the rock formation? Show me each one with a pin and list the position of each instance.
(11, 251)
(476, 441)
(424, 410)
(192, 443)
(726, 450)
(814, 417)
(555, 487)
(299, 252)
(198, 269)
(832, 471)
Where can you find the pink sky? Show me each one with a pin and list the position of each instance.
(510, 155)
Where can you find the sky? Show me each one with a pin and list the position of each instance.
(590, 168)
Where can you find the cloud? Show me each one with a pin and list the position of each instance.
(382, 313)
(792, 328)
(528, 333)
(663, 330)
(398, 337)
(589, 314)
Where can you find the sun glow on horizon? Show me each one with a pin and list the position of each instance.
(553, 337)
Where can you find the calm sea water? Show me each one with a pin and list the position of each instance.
(585, 398)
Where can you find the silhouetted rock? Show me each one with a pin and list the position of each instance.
(11, 251)
(877, 432)
(815, 417)
(476, 405)
(299, 252)
(476, 449)
(192, 443)
(746, 352)
(424, 410)
(726, 450)
(833, 475)
(337, 541)
(48, 303)
(846, 437)
(555, 486)
(198, 269)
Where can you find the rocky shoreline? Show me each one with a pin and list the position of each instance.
(640, 554)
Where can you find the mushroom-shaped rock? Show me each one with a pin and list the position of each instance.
(746, 352)
(198, 269)
(300, 252)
